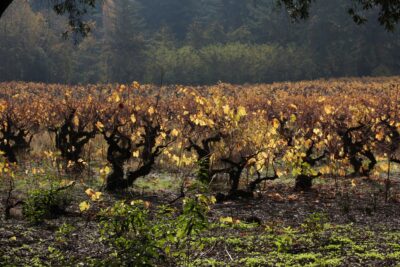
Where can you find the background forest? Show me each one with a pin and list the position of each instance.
(193, 42)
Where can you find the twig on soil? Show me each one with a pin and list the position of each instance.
(227, 252)
(208, 251)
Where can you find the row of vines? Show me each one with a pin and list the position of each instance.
(304, 130)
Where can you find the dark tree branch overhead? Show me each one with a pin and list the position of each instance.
(74, 9)
(389, 10)
(4, 5)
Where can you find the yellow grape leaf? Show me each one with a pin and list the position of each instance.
(99, 125)
(213, 200)
(90, 192)
(137, 202)
(241, 111)
(3, 107)
(69, 164)
(226, 220)
(13, 238)
(376, 173)
(342, 172)
(135, 154)
(136, 85)
(384, 167)
(84, 206)
(317, 132)
(176, 158)
(275, 123)
(328, 109)
(151, 110)
(93, 194)
(325, 170)
(97, 196)
(75, 121)
(226, 109)
(133, 118)
(147, 204)
(67, 183)
(353, 183)
(379, 136)
(251, 162)
(174, 132)
(116, 97)
(264, 155)
(105, 171)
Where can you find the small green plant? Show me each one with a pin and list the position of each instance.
(42, 204)
(284, 241)
(63, 233)
(253, 261)
(141, 237)
(4, 260)
(126, 228)
(315, 222)
(56, 256)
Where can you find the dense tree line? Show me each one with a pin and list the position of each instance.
(195, 42)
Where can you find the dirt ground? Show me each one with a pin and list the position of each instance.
(354, 207)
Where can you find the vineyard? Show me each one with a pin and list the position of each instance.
(279, 169)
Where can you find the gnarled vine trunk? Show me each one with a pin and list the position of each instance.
(120, 151)
(355, 149)
(70, 140)
(13, 140)
(304, 182)
(204, 153)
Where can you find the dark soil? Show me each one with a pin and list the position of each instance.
(358, 209)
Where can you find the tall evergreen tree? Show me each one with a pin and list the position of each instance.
(124, 40)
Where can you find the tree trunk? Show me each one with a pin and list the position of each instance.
(141, 172)
(303, 183)
(117, 154)
(8, 153)
(204, 153)
(356, 163)
(372, 162)
(116, 178)
(234, 176)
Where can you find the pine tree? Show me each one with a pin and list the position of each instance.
(124, 40)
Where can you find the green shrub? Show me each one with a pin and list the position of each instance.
(44, 204)
(64, 232)
(284, 241)
(141, 237)
(315, 222)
